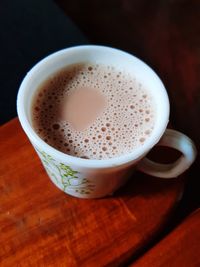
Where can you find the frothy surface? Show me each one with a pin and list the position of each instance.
(121, 125)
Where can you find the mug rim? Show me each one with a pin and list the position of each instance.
(135, 155)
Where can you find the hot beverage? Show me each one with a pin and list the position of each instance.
(93, 111)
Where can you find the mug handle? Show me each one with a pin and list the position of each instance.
(176, 140)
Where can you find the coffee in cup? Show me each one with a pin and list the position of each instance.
(93, 111)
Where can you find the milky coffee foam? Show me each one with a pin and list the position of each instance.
(123, 123)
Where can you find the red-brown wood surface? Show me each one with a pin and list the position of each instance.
(180, 248)
(42, 226)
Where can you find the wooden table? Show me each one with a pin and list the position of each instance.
(180, 248)
(42, 226)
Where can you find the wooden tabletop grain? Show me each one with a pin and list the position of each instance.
(42, 226)
(180, 248)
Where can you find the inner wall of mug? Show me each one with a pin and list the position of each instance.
(123, 62)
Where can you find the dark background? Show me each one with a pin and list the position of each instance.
(165, 34)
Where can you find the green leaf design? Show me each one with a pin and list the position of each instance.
(68, 177)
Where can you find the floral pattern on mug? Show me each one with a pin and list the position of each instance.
(65, 177)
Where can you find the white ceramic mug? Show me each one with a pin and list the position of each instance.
(88, 178)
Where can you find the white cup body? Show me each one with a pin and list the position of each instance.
(87, 178)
